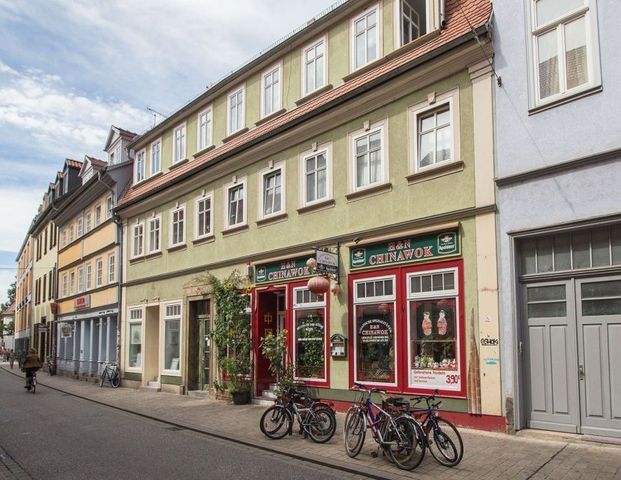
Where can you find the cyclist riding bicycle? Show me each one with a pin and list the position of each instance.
(31, 364)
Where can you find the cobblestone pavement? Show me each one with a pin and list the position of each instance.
(9, 470)
(487, 455)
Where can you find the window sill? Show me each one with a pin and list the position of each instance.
(369, 192)
(566, 99)
(367, 68)
(203, 151)
(234, 230)
(314, 94)
(179, 163)
(413, 45)
(156, 174)
(317, 206)
(174, 248)
(269, 117)
(135, 260)
(203, 240)
(144, 180)
(152, 255)
(435, 172)
(232, 136)
(273, 219)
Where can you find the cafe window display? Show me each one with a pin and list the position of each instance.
(310, 335)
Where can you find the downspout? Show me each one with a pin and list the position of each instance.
(442, 14)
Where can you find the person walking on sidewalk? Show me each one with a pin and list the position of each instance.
(11, 358)
(31, 364)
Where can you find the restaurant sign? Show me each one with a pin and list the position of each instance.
(282, 271)
(406, 250)
(82, 302)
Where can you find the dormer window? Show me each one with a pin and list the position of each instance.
(414, 18)
(140, 159)
(179, 143)
(365, 38)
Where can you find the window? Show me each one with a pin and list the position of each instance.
(172, 325)
(63, 236)
(204, 217)
(154, 228)
(71, 283)
(98, 272)
(413, 18)
(137, 240)
(109, 206)
(44, 288)
(309, 343)
(433, 330)
(139, 174)
(236, 208)
(316, 172)
(79, 227)
(70, 232)
(111, 268)
(177, 226)
(365, 38)
(374, 329)
(235, 110)
(565, 57)
(434, 137)
(205, 128)
(271, 87)
(88, 221)
(179, 144)
(314, 66)
(134, 350)
(97, 215)
(80, 279)
(272, 191)
(89, 276)
(156, 157)
(369, 164)
(64, 286)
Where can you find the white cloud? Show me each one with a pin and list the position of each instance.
(17, 209)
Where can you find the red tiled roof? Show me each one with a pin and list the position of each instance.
(73, 163)
(10, 310)
(461, 17)
(96, 163)
(125, 133)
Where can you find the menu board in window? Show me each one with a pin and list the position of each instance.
(375, 343)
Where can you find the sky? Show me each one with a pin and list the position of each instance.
(71, 68)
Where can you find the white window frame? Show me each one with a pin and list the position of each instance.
(381, 127)
(72, 284)
(131, 322)
(589, 12)
(180, 156)
(88, 271)
(231, 129)
(80, 284)
(326, 149)
(207, 196)
(208, 134)
(376, 299)
(112, 267)
(311, 306)
(140, 166)
(261, 193)
(79, 227)
(63, 236)
(150, 221)
(88, 223)
(172, 211)
(109, 206)
(99, 272)
(64, 285)
(269, 71)
(162, 346)
(154, 170)
(452, 100)
(229, 186)
(312, 46)
(432, 21)
(137, 249)
(97, 215)
(378, 36)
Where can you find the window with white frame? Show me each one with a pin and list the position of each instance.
(204, 216)
(271, 86)
(134, 332)
(369, 164)
(139, 174)
(137, 240)
(310, 334)
(235, 206)
(80, 279)
(156, 157)
(374, 331)
(316, 171)
(172, 326)
(79, 227)
(88, 222)
(235, 111)
(71, 283)
(111, 268)
(272, 191)
(89, 276)
(98, 272)
(564, 48)
(434, 136)
(64, 286)
(109, 206)
(97, 215)
(205, 128)
(414, 17)
(365, 38)
(179, 143)
(177, 226)
(154, 228)
(314, 66)
(63, 236)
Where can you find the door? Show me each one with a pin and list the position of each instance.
(549, 357)
(599, 355)
(199, 346)
(270, 313)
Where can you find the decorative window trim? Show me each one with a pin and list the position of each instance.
(151, 250)
(260, 194)
(162, 345)
(133, 253)
(153, 171)
(207, 196)
(131, 322)
(382, 127)
(242, 89)
(171, 213)
(451, 99)
(278, 66)
(323, 148)
(240, 181)
(175, 160)
(208, 134)
(378, 38)
(305, 48)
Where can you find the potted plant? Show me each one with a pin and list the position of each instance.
(274, 348)
(231, 335)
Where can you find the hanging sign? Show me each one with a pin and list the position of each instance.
(407, 250)
(327, 262)
(282, 271)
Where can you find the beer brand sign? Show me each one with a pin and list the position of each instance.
(82, 302)
(407, 250)
(282, 271)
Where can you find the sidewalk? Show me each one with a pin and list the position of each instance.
(487, 455)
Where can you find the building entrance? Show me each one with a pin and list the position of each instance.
(199, 347)
(270, 319)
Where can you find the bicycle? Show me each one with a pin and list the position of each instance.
(31, 382)
(401, 438)
(315, 418)
(110, 373)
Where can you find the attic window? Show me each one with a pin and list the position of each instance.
(414, 17)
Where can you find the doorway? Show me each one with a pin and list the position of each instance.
(271, 310)
(199, 346)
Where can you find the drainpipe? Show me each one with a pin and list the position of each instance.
(442, 14)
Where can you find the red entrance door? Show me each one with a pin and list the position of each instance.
(270, 314)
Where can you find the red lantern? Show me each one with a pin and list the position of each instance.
(318, 284)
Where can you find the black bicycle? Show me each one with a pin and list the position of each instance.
(110, 373)
(31, 382)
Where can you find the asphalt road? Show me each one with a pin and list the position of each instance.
(52, 435)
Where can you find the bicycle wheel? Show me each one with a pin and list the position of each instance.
(102, 377)
(115, 381)
(445, 442)
(404, 443)
(33, 385)
(355, 431)
(322, 424)
(275, 422)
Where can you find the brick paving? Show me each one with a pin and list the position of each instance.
(487, 455)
